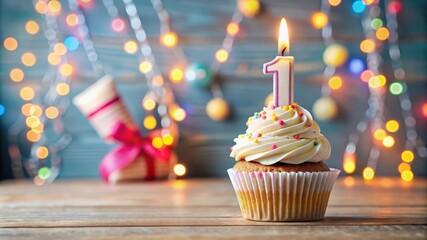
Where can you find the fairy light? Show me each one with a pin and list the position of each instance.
(424, 110)
(39, 128)
(367, 46)
(150, 122)
(335, 82)
(379, 134)
(368, 173)
(28, 59)
(392, 126)
(66, 69)
(71, 43)
(2, 109)
(54, 7)
(334, 3)
(169, 39)
(158, 81)
(176, 74)
(377, 81)
(157, 142)
(26, 93)
(407, 175)
(349, 163)
(358, 6)
(41, 7)
(10, 44)
(33, 136)
(221, 55)
(35, 110)
(60, 49)
(44, 173)
(145, 67)
(42, 152)
(130, 47)
(319, 20)
(368, 2)
(382, 33)
(32, 121)
(178, 114)
(72, 20)
(148, 104)
(396, 88)
(356, 66)
(118, 25)
(407, 156)
(366, 75)
(388, 141)
(54, 59)
(167, 139)
(376, 23)
(52, 112)
(32, 27)
(62, 89)
(233, 28)
(349, 181)
(16, 75)
(403, 167)
(179, 170)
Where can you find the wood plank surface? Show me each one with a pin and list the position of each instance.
(204, 209)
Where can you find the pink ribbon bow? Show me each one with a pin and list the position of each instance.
(133, 145)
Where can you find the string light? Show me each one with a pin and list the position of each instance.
(349, 163)
(33, 136)
(319, 20)
(32, 27)
(118, 24)
(179, 170)
(407, 156)
(396, 88)
(367, 46)
(16, 75)
(334, 3)
(221, 55)
(366, 75)
(335, 82)
(60, 49)
(233, 28)
(167, 139)
(157, 142)
(26, 93)
(407, 175)
(72, 20)
(10, 44)
(382, 33)
(41, 7)
(388, 141)
(32, 121)
(356, 66)
(145, 67)
(42, 152)
(52, 112)
(66, 69)
(368, 173)
(403, 167)
(54, 59)
(379, 134)
(376, 23)
(395, 7)
(178, 114)
(377, 81)
(62, 89)
(169, 39)
(176, 74)
(71, 42)
(35, 110)
(392, 126)
(368, 2)
(130, 47)
(28, 59)
(148, 104)
(44, 173)
(2, 110)
(358, 6)
(150, 122)
(424, 109)
(249, 8)
(54, 7)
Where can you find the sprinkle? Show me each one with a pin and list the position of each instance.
(272, 107)
(256, 115)
(249, 136)
(274, 146)
(256, 140)
(241, 136)
(247, 123)
(273, 114)
(315, 143)
(300, 114)
(286, 108)
(264, 112)
(259, 135)
(264, 117)
(250, 119)
(308, 125)
(296, 136)
(281, 123)
(275, 118)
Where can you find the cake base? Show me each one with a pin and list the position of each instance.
(280, 167)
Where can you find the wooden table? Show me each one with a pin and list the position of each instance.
(382, 209)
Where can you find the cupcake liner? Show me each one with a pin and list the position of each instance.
(102, 105)
(283, 196)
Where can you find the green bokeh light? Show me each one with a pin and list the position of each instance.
(376, 23)
(44, 173)
(396, 88)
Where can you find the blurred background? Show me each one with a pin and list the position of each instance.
(200, 28)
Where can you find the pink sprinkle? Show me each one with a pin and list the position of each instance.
(281, 123)
(296, 136)
(273, 107)
(264, 117)
(274, 146)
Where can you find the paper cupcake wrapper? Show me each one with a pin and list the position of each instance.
(102, 104)
(283, 196)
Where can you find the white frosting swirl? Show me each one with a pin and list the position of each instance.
(284, 134)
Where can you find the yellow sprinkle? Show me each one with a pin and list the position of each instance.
(250, 119)
(249, 136)
(273, 114)
(256, 140)
(286, 108)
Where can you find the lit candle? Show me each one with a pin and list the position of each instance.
(282, 69)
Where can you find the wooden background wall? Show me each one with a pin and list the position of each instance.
(204, 144)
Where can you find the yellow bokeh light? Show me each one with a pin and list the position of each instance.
(377, 81)
(158, 80)
(39, 128)
(335, 82)
(145, 67)
(54, 7)
(221, 55)
(16, 75)
(169, 39)
(392, 126)
(54, 59)
(130, 47)
(25, 109)
(403, 167)
(66, 69)
(179, 170)
(10, 44)
(32, 27)
(368, 173)
(368, 2)
(176, 75)
(60, 49)
(72, 19)
(167, 139)
(319, 20)
(150, 122)
(334, 3)
(52, 112)
(407, 156)
(232, 28)
(33, 136)
(41, 7)
(349, 167)
(28, 59)
(388, 141)
(367, 46)
(42, 152)
(379, 134)
(148, 104)
(407, 175)
(178, 114)
(349, 181)
(382, 33)
(32, 121)
(62, 89)
(157, 142)
(249, 8)
(27, 93)
(366, 75)
(35, 110)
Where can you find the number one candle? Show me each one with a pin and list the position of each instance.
(282, 69)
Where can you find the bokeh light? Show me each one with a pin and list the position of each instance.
(35, 110)
(382, 33)
(396, 88)
(334, 3)
(403, 167)
(319, 20)
(158, 80)
(367, 46)
(349, 181)
(407, 156)
(335, 82)
(71, 42)
(66, 69)
(44, 173)
(2, 109)
(72, 19)
(392, 126)
(54, 59)
(32, 27)
(368, 173)
(366, 75)
(54, 7)
(41, 7)
(118, 24)
(150, 122)
(232, 28)
(28, 59)
(179, 169)
(33, 136)
(377, 81)
(249, 8)
(60, 49)
(42, 152)
(376, 23)
(388, 141)
(10, 44)
(358, 6)
(145, 67)
(356, 66)
(178, 114)
(157, 142)
(176, 74)
(62, 89)
(167, 139)
(169, 39)
(52, 112)
(130, 47)
(395, 7)
(16, 75)
(26, 93)
(379, 134)
(32, 121)
(221, 55)
(349, 167)
(148, 104)
(368, 2)
(407, 175)
(25, 109)
(424, 109)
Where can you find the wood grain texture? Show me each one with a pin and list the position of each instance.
(206, 209)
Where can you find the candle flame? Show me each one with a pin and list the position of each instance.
(283, 43)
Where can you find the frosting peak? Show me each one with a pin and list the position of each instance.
(285, 134)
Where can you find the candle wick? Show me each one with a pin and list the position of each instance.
(283, 52)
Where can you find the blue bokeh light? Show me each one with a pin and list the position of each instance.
(358, 6)
(71, 43)
(356, 66)
(2, 109)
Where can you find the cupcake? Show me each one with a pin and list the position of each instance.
(280, 174)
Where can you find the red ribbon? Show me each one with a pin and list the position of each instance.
(133, 145)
